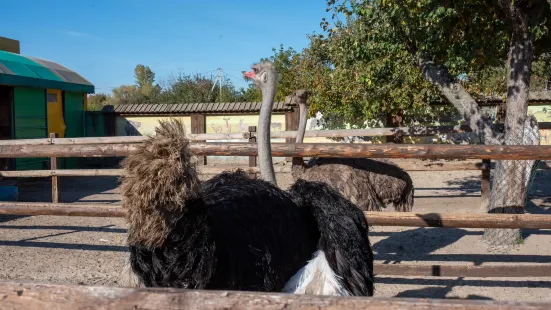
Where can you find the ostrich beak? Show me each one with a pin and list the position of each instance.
(249, 74)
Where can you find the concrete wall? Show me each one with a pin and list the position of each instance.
(143, 125)
(239, 124)
(127, 125)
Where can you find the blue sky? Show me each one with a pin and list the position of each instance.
(104, 40)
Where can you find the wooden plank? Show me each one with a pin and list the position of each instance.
(430, 130)
(60, 209)
(62, 173)
(484, 271)
(28, 295)
(249, 170)
(87, 150)
(53, 166)
(409, 219)
(216, 170)
(463, 220)
(426, 151)
(118, 172)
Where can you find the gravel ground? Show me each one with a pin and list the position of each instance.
(92, 250)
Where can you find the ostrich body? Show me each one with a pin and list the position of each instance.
(369, 184)
(236, 233)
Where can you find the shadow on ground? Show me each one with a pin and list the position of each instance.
(72, 189)
(470, 186)
(451, 282)
(437, 292)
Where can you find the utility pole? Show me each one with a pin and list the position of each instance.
(219, 81)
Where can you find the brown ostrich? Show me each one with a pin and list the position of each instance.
(368, 183)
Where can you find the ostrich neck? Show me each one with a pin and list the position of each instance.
(264, 147)
(303, 115)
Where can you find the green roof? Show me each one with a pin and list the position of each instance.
(18, 70)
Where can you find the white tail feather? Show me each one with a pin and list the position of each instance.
(128, 277)
(316, 278)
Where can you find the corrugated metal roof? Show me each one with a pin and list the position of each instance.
(19, 70)
(193, 108)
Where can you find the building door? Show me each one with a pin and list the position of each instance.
(56, 122)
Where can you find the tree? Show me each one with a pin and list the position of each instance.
(286, 61)
(145, 78)
(250, 94)
(127, 94)
(392, 55)
(97, 101)
(198, 88)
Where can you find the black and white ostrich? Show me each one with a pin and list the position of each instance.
(236, 233)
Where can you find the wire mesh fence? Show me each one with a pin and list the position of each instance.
(510, 183)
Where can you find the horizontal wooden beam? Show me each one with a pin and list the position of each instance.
(408, 165)
(27, 295)
(61, 173)
(426, 151)
(407, 131)
(459, 220)
(409, 219)
(60, 209)
(118, 172)
(483, 271)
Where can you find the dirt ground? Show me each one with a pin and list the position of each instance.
(92, 250)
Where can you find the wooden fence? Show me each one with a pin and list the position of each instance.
(413, 131)
(24, 295)
(29, 295)
(66, 148)
(54, 147)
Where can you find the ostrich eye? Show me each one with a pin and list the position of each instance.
(255, 70)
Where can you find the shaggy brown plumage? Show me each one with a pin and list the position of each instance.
(370, 184)
(153, 203)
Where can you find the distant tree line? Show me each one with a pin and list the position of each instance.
(381, 57)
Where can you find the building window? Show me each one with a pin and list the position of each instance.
(52, 97)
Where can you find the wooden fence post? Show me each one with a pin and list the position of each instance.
(252, 159)
(291, 124)
(485, 184)
(198, 127)
(53, 166)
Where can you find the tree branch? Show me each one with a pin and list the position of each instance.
(461, 100)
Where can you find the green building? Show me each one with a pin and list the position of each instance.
(39, 97)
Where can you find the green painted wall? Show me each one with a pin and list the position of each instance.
(30, 119)
(73, 112)
(95, 124)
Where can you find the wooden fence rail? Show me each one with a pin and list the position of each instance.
(26, 295)
(424, 151)
(413, 131)
(418, 166)
(409, 219)
(374, 218)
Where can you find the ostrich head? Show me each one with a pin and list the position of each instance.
(264, 76)
(300, 96)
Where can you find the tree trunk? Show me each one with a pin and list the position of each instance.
(511, 178)
(395, 119)
(461, 100)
